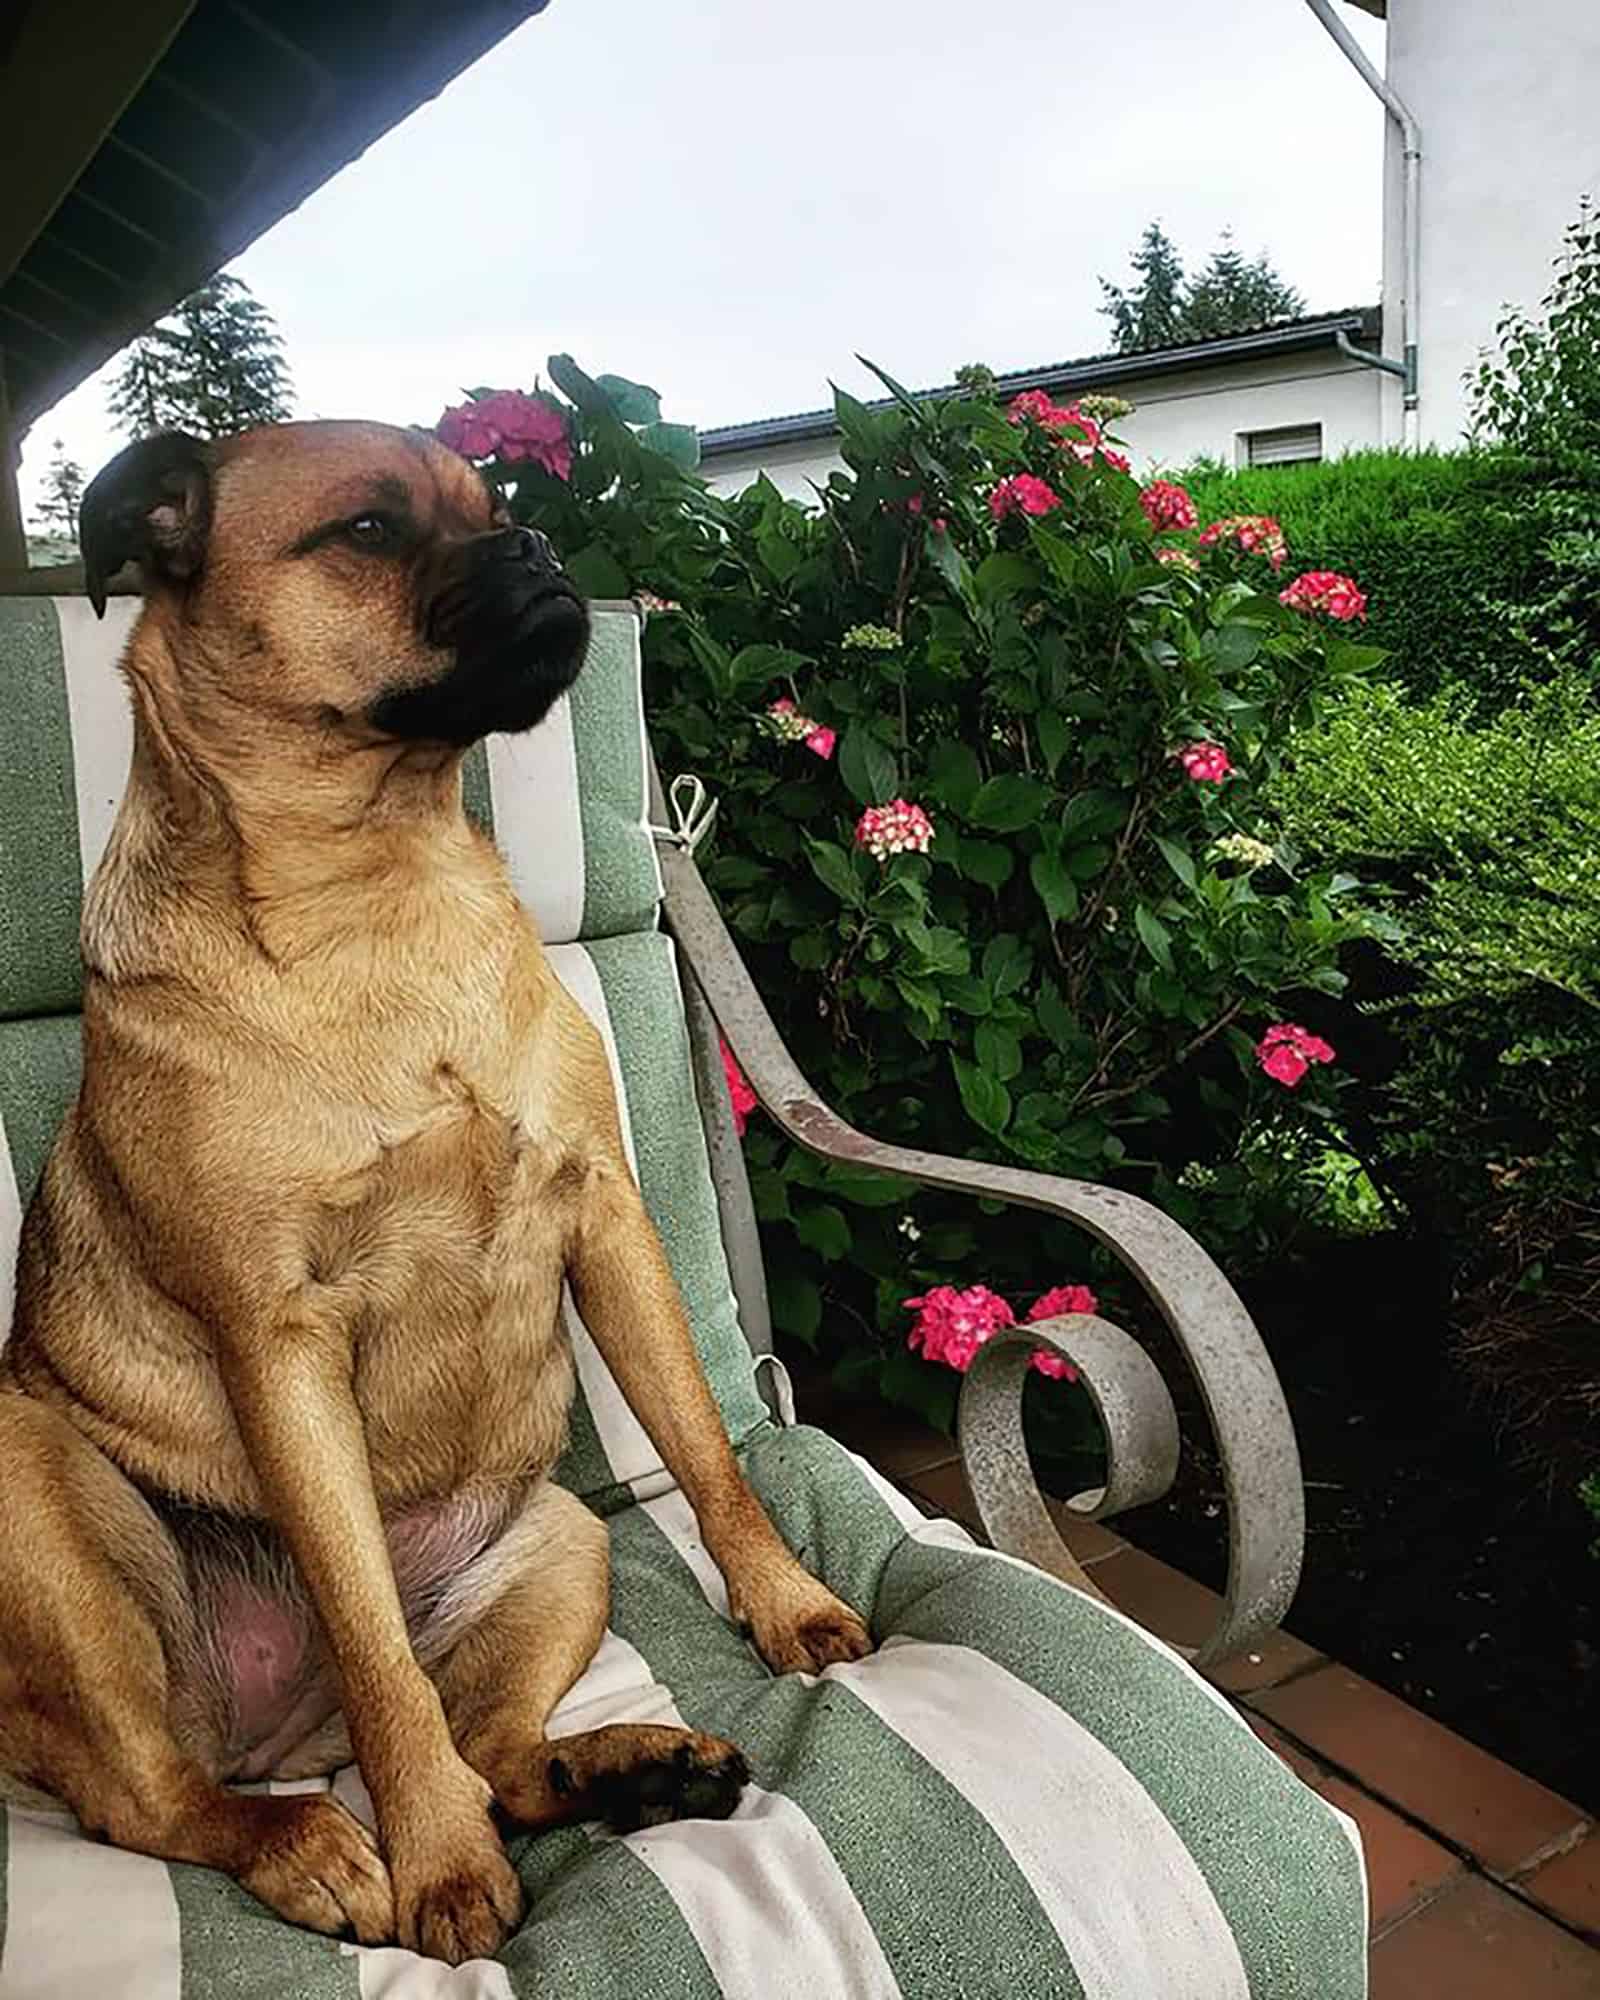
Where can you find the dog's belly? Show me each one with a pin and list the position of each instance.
(261, 1668)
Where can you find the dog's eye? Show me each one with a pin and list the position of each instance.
(370, 531)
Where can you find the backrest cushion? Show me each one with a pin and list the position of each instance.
(567, 802)
(567, 806)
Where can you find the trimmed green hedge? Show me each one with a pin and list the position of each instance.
(1444, 543)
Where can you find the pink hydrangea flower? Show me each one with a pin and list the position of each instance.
(1178, 558)
(820, 743)
(1055, 1304)
(1206, 763)
(1325, 590)
(952, 1325)
(1286, 1052)
(512, 426)
(1255, 534)
(1167, 505)
(896, 828)
(1023, 491)
(744, 1098)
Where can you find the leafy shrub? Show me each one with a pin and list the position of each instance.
(1540, 395)
(1456, 551)
(971, 649)
(1487, 836)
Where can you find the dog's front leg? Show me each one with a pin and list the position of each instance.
(455, 1893)
(624, 1289)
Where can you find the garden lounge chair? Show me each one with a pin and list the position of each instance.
(1019, 1794)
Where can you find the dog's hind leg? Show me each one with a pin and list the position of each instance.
(94, 1616)
(534, 1608)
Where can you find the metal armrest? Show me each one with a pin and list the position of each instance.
(1242, 1397)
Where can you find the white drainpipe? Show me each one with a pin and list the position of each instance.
(1410, 206)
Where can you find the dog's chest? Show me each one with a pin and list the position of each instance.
(446, 1247)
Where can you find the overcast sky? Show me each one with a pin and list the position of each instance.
(731, 200)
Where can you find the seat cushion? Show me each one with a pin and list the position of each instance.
(629, 988)
(1019, 1794)
(566, 803)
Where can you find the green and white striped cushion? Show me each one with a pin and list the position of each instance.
(1018, 1795)
(567, 802)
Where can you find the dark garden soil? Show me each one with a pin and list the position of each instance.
(1436, 1563)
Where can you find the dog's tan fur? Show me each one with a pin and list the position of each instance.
(296, 1261)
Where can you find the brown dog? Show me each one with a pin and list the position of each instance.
(287, 1357)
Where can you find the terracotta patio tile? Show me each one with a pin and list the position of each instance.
(1570, 1885)
(1478, 1943)
(1403, 1865)
(1159, 1596)
(944, 1488)
(1090, 1541)
(1460, 1791)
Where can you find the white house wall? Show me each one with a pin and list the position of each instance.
(1508, 99)
(1177, 418)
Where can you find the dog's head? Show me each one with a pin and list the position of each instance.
(354, 577)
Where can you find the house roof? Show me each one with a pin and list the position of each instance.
(150, 141)
(1095, 371)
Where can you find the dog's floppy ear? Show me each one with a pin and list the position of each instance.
(151, 505)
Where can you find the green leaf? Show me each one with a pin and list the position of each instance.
(998, 1049)
(968, 995)
(902, 396)
(1055, 733)
(1056, 1017)
(632, 401)
(867, 766)
(867, 1190)
(1008, 803)
(779, 556)
(922, 998)
(1178, 861)
(986, 861)
(679, 442)
(1235, 645)
(596, 572)
(953, 775)
(1156, 938)
(947, 560)
(796, 1304)
(769, 1194)
(824, 1230)
(832, 868)
(809, 950)
(1344, 658)
(1003, 574)
(578, 388)
(987, 1101)
(1084, 862)
(1056, 888)
(1007, 962)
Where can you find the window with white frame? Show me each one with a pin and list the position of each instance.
(1289, 444)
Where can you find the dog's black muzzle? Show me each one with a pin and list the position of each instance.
(502, 604)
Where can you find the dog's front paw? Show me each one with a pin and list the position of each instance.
(798, 1626)
(456, 1895)
(319, 1867)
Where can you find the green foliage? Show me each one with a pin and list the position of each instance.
(1071, 948)
(1589, 1494)
(1229, 295)
(1487, 834)
(212, 366)
(1540, 395)
(1468, 578)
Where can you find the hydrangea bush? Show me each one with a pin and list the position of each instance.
(990, 725)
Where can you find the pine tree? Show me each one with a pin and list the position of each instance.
(1231, 296)
(63, 489)
(212, 366)
(1148, 315)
